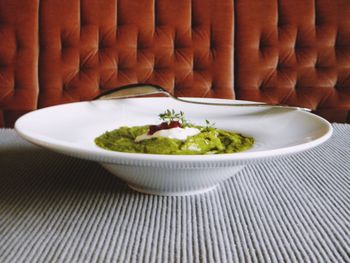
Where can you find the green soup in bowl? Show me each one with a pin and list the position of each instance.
(209, 140)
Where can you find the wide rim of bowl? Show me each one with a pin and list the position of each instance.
(107, 156)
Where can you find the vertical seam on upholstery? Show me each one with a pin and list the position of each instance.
(116, 20)
(117, 24)
(191, 20)
(211, 38)
(278, 19)
(155, 14)
(278, 36)
(316, 24)
(155, 18)
(233, 50)
(316, 30)
(80, 27)
(38, 56)
(117, 15)
(316, 17)
(234, 42)
(191, 29)
(174, 43)
(80, 17)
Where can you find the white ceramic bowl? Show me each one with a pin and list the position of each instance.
(71, 128)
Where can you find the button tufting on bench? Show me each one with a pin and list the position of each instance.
(304, 42)
(54, 52)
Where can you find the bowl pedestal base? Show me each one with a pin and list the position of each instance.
(164, 193)
(172, 181)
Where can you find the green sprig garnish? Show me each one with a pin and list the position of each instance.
(209, 124)
(170, 115)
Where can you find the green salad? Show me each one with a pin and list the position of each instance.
(174, 136)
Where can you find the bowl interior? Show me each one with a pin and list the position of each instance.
(71, 128)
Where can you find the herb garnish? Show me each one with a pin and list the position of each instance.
(171, 116)
(209, 124)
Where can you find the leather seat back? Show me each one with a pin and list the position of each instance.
(294, 52)
(90, 46)
(18, 59)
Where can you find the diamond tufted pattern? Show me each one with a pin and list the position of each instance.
(18, 58)
(90, 46)
(294, 52)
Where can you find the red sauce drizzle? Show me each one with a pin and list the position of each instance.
(163, 126)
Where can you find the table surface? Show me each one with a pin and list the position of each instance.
(55, 208)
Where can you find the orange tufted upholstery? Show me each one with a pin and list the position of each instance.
(18, 58)
(294, 52)
(92, 45)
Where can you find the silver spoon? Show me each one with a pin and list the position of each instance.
(137, 90)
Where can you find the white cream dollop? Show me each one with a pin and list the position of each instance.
(173, 133)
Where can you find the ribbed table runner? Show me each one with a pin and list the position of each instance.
(55, 208)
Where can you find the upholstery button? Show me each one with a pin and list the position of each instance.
(157, 68)
(177, 45)
(279, 65)
(140, 44)
(121, 68)
(65, 87)
(212, 44)
(101, 46)
(339, 87)
(82, 67)
(296, 46)
(261, 45)
(63, 45)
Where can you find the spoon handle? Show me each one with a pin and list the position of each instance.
(137, 90)
(245, 105)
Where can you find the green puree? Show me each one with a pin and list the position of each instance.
(209, 141)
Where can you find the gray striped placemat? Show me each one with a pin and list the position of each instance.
(55, 208)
